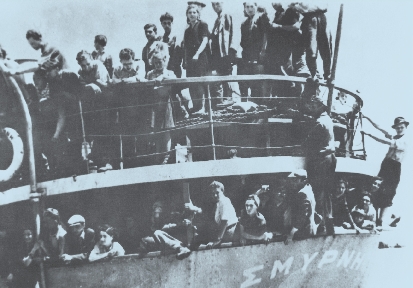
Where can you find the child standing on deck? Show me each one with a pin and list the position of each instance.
(106, 247)
(162, 118)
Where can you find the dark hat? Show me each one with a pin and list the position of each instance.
(200, 4)
(398, 121)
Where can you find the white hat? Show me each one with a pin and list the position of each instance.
(75, 219)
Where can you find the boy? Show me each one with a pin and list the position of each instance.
(101, 55)
(131, 70)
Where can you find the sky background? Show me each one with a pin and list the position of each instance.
(375, 57)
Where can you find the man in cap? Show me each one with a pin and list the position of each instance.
(390, 169)
(78, 242)
(319, 149)
(223, 54)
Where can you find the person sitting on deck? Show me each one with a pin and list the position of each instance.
(390, 169)
(131, 70)
(341, 212)
(252, 223)
(160, 237)
(106, 247)
(101, 55)
(52, 237)
(358, 216)
(78, 242)
(225, 218)
(162, 110)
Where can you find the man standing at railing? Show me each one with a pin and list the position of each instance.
(151, 34)
(320, 158)
(223, 54)
(253, 43)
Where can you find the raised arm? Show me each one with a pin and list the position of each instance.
(383, 141)
(387, 134)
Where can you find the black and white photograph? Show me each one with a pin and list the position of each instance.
(206, 144)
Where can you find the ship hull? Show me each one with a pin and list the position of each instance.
(341, 261)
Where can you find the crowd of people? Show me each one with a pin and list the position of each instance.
(285, 211)
(280, 47)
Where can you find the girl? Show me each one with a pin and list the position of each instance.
(106, 247)
(195, 55)
(162, 110)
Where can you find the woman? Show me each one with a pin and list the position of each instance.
(341, 212)
(24, 270)
(106, 247)
(196, 56)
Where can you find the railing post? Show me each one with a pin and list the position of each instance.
(121, 152)
(335, 57)
(84, 144)
(211, 122)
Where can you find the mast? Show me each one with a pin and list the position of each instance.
(34, 195)
(335, 57)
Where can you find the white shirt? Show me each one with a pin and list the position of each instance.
(225, 211)
(397, 149)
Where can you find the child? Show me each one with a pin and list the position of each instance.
(105, 248)
(162, 108)
(131, 70)
(358, 217)
(341, 212)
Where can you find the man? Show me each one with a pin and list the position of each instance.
(78, 242)
(390, 169)
(315, 36)
(223, 54)
(175, 60)
(159, 235)
(285, 51)
(101, 55)
(319, 149)
(225, 218)
(253, 43)
(252, 223)
(151, 35)
(277, 211)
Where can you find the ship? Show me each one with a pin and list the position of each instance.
(267, 142)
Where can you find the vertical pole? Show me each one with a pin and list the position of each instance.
(84, 144)
(362, 136)
(211, 122)
(335, 57)
(34, 195)
(121, 152)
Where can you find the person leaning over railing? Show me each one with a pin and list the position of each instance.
(106, 247)
(79, 241)
(95, 79)
(130, 70)
(252, 223)
(101, 55)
